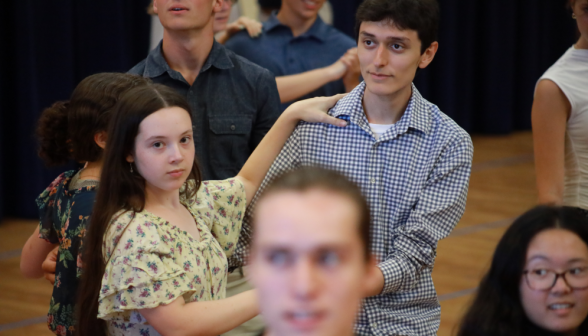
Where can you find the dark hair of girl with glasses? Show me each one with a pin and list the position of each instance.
(538, 280)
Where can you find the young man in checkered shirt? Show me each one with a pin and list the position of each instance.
(411, 161)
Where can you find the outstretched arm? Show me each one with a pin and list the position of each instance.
(207, 318)
(295, 86)
(311, 110)
(253, 28)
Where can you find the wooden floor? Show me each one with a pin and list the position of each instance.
(502, 186)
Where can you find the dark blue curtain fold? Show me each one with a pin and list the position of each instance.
(491, 54)
(47, 48)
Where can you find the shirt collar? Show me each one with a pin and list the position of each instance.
(155, 65)
(318, 30)
(415, 116)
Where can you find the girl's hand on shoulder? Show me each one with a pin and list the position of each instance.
(314, 110)
(253, 27)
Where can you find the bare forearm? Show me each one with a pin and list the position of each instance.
(295, 86)
(33, 254)
(208, 318)
(263, 156)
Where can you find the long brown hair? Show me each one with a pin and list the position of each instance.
(66, 129)
(120, 189)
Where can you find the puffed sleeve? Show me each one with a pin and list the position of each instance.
(221, 204)
(143, 269)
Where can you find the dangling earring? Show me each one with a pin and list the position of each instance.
(131, 165)
(574, 16)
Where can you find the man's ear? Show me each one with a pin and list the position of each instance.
(428, 55)
(154, 6)
(100, 139)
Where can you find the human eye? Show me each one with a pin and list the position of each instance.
(578, 271)
(329, 258)
(368, 43)
(157, 144)
(397, 47)
(539, 272)
(186, 139)
(279, 258)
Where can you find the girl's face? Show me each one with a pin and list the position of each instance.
(560, 308)
(580, 8)
(164, 149)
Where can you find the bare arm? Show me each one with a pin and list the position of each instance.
(207, 318)
(253, 28)
(295, 86)
(33, 255)
(550, 113)
(311, 110)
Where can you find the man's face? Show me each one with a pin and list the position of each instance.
(389, 57)
(186, 15)
(308, 263)
(305, 9)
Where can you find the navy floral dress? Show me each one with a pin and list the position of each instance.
(64, 215)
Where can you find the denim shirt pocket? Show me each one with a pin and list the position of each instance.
(229, 142)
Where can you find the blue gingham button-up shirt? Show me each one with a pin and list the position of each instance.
(415, 179)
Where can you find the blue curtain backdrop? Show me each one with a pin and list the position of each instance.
(47, 48)
(491, 54)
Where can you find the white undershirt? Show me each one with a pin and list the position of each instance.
(379, 129)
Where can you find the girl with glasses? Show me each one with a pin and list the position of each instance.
(538, 280)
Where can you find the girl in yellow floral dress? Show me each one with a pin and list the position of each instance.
(160, 238)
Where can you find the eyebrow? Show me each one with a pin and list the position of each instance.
(157, 137)
(542, 257)
(389, 38)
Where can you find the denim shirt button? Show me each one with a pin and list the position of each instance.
(232, 127)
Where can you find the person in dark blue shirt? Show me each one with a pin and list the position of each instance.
(234, 102)
(297, 41)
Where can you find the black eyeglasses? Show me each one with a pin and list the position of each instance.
(544, 279)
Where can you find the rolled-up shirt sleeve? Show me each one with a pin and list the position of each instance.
(434, 216)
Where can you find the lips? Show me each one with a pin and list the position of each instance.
(310, 4)
(176, 172)
(305, 320)
(177, 9)
(561, 308)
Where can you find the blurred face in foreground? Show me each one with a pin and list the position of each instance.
(308, 262)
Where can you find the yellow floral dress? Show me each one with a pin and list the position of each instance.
(152, 262)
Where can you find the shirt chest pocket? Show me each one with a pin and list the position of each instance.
(229, 142)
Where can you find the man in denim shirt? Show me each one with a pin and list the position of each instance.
(234, 102)
(296, 41)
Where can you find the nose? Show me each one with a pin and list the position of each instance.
(176, 155)
(381, 58)
(305, 280)
(560, 286)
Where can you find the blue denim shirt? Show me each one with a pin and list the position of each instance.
(277, 50)
(234, 104)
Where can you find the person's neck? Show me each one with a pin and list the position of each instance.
(297, 24)
(388, 109)
(186, 51)
(157, 198)
(582, 43)
(91, 171)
